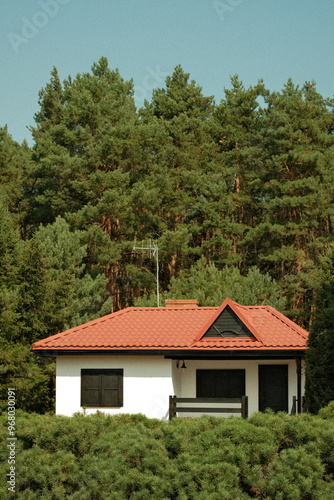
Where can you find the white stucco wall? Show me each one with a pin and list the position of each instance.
(147, 384)
(150, 380)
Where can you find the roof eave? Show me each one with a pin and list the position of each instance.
(180, 353)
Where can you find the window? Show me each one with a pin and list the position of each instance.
(220, 383)
(102, 388)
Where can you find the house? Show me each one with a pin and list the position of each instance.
(133, 360)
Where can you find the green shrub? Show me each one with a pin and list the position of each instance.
(327, 412)
(269, 456)
(294, 474)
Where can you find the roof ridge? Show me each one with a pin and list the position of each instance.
(248, 322)
(284, 319)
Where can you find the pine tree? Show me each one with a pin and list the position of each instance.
(210, 285)
(85, 154)
(239, 131)
(74, 295)
(11, 251)
(32, 378)
(82, 146)
(319, 389)
(23, 303)
(15, 161)
(298, 189)
(184, 169)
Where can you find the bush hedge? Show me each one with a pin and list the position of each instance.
(273, 456)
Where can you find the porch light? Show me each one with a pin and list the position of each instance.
(178, 364)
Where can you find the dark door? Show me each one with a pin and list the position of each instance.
(273, 387)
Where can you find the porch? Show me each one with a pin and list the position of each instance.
(226, 387)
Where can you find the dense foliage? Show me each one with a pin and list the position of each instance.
(237, 195)
(131, 457)
(319, 357)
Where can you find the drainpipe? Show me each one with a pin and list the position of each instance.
(299, 384)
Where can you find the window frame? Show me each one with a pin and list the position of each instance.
(102, 374)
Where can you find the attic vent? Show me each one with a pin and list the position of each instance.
(182, 303)
(228, 325)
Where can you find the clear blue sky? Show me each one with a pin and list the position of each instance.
(146, 39)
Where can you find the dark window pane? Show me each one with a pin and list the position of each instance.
(220, 383)
(206, 387)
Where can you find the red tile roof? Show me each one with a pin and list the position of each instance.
(153, 328)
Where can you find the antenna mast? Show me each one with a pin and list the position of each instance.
(153, 250)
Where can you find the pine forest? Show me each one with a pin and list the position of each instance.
(236, 193)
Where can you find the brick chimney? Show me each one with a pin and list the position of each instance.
(181, 303)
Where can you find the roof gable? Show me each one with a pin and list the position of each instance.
(228, 324)
(230, 320)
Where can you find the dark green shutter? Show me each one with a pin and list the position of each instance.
(101, 387)
(90, 388)
(112, 388)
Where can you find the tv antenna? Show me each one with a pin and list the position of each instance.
(153, 251)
